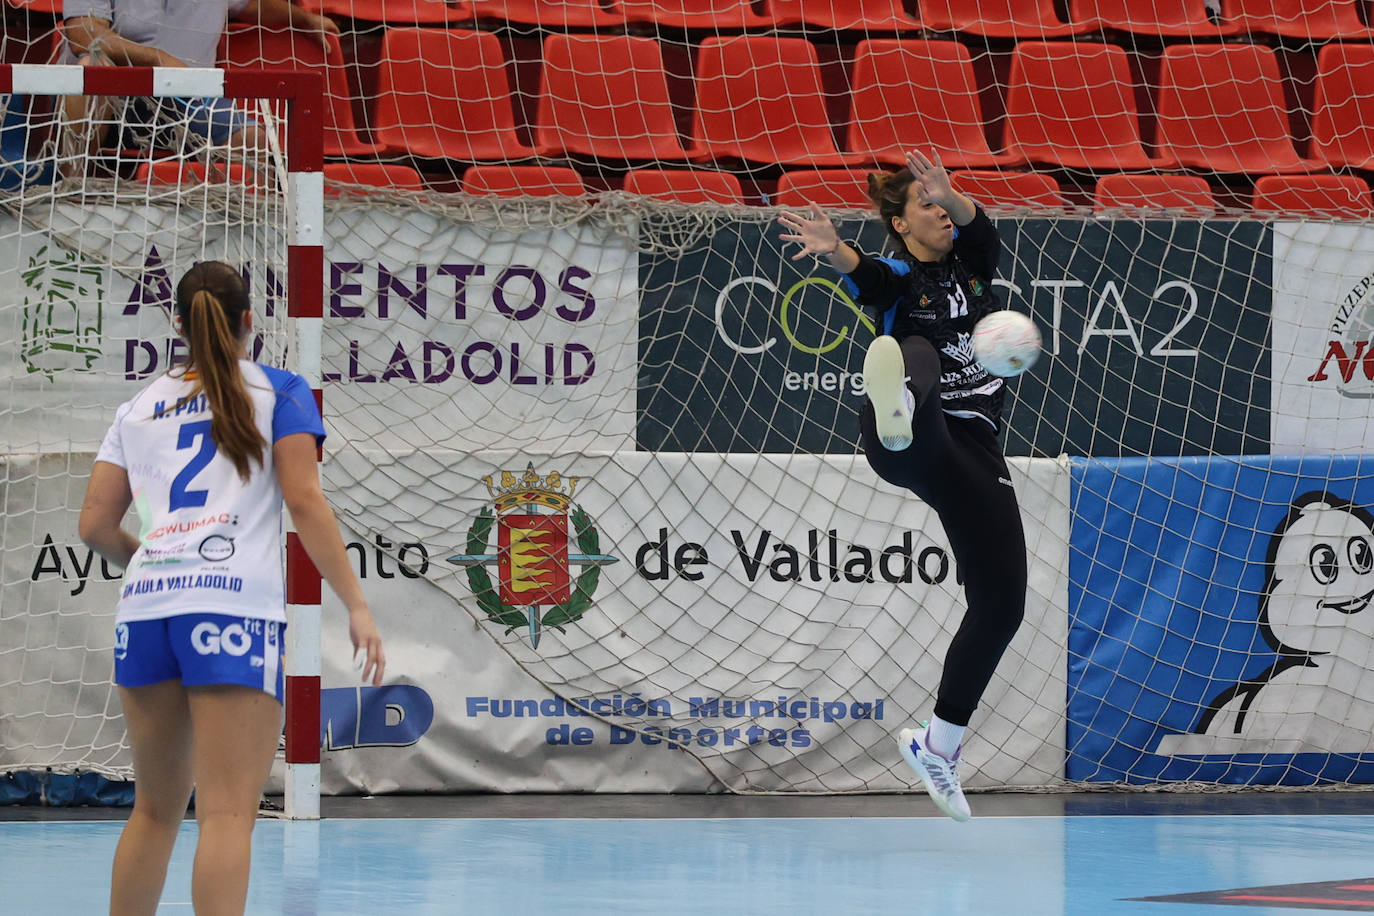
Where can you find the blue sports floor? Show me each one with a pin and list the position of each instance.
(1090, 855)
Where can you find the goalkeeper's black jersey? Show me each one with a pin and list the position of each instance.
(941, 301)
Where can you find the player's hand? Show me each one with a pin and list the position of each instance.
(932, 181)
(815, 233)
(316, 24)
(362, 630)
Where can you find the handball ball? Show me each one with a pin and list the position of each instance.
(1007, 343)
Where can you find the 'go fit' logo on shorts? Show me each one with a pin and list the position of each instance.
(209, 639)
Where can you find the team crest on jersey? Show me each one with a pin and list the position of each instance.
(976, 285)
(962, 349)
(536, 525)
(925, 300)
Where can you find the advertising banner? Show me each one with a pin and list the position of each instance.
(695, 622)
(57, 611)
(437, 329)
(744, 350)
(1221, 627)
(1323, 377)
(688, 623)
(430, 322)
(1159, 333)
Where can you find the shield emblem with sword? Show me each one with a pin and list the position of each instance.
(533, 558)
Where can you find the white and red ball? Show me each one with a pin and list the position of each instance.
(1007, 343)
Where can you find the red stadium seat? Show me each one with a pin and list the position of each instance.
(192, 171)
(445, 94)
(693, 14)
(1312, 19)
(1071, 103)
(852, 14)
(172, 171)
(38, 6)
(1330, 196)
(918, 93)
(844, 189)
(523, 181)
(1222, 108)
(44, 45)
(1343, 119)
(393, 12)
(372, 174)
(760, 98)
(1008, 190)
(690, 186)
(605, 95)
(1165, 18)
(998, 18)
(1178, 194)
(555, 14)
(246, 45)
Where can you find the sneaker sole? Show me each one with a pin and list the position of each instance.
(904, 739)
(885, 377)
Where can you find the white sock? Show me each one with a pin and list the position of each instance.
(944, 737)
(910, 399)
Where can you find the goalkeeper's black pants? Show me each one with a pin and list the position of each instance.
(955, 465)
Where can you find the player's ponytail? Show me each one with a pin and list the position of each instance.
(888, 191)
(211, 302)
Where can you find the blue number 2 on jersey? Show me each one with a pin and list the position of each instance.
(182, 498)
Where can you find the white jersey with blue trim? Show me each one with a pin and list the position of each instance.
(208, 541)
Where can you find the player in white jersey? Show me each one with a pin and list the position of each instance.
(207, 454)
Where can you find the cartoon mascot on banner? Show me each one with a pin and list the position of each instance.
(1314, 612)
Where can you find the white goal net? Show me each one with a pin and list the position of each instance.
(596, 449)
(95, 240)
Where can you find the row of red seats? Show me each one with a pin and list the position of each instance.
(1307, 19)
(1325, 195)
(1346, 196)
(1312, 19)
(446, 94)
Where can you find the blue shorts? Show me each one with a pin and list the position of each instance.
(215, 119)
(201, 649)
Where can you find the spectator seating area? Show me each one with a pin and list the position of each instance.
(1110, 104)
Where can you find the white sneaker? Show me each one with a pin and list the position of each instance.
(885, 379)
(939, 774)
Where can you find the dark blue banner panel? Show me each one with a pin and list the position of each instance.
(1221, 627)
(743, 350)
(1156, 338)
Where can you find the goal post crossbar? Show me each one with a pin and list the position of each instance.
(302, 93)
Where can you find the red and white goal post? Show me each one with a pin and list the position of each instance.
(267, 217)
